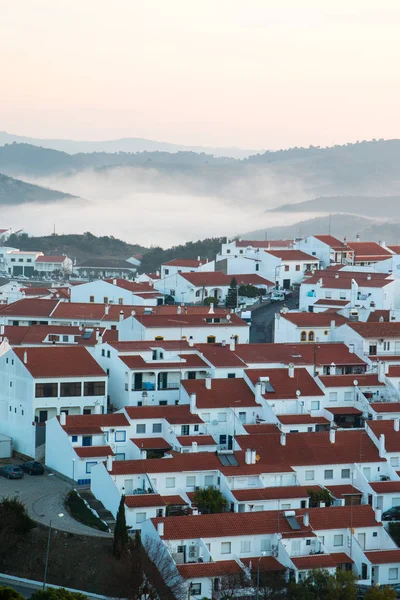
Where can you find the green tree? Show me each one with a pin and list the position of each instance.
(394, 530)
(15, 523)
(231, 299)
(378, 593)
(210, 300)
(57, 594)
(121, 538)
(7, 593)
(210, 500)
(250, 291)
(320, 585)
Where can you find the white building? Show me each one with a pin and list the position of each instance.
(328, 249)
(116, 291)
(186, 265)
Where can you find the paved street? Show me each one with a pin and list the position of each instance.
(44, 496)
(262, 320)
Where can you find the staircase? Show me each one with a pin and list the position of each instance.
(104, 514)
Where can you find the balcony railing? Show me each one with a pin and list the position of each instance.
(173, 385)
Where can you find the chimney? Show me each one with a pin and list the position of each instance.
(1, 329)
(158, 273)
(121, 315)
(97, 409)
(114, 282)
(179, 310)
(357, 237)
(332, 370)
(381, 372)
(336, 275)
(396, 424)
(193, 403)
(283, 438)
(160, 529)
(191, 341)
(195, 511)
(208, 381)
(223, 343)
(306, 519)
(232, 343)
(332, 436)
(194, 446)
(247, 456)
(333, 325)
(291, 370)
(63, 419)
(198, 259)
(109, 463)
(382, 450)
(378, 515)
(369, 276)
(211, 311)
(106, 309)
(97, 334)
(253, 457)
(25, 358)
(351, 348)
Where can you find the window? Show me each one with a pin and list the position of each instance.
(308, 542)
(166, 271)
(91, 298)
(190, 481)
(89, 466)
(157, 427)
(196, 428)
(73, 388)
(46, 390)
(120, 436)
(328, 295)
(221, 417)
(309, 475)
(266, 545)
(105, 300)
(328, 474)
(386, 346)
(257, 266)
(209, 480)
(286, 267)
(140, 517)
(159, 512)
(74, 438)
(303, 336)
(311, 336)
(120, 300)
(86, 440)
(342, 295)
(141, 428)
(170, 482)
(314, 404)
(119, 456)
(297, 267)
(185, 430)
(94, 388)
(348, 396)
(195, 589)
(394, 461)
(108, 353)
(345, 473)
(393, 573)
(225, 547)
(159, 338)
(231, 375)
(338, 540)
(172, 292)
(211, 339)
(332, 396)
(245, 546)
(285, 506)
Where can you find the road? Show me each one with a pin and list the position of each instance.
(25, 590)
(262, 320)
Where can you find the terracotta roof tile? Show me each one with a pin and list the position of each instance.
(179, 414)
(385, 407)
(51, 259)
(314, 319)
(302, 419)
(224, 393)
(344, 410)
(143, 500)
(369, 250)
(339, 491)
(151, 443)
(267, 563)
(373, 330)
(201, 440)
(392, 437)
(185, 262)
(284, 386)
(299, 255)
(385, 487)
(298, 354)
(192, 361)
(220, 356)
(93, 451)
(29, 307)
(174, 501)
(383, 557)
(364, 380)
(314, 561)
(341, 558)
(333, 242)
(95, 420)
(212, 569)
(59, 361)
(271, 493)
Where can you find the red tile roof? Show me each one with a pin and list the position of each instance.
(137, 346)
(221, 568)
(131, 286)
(267, 563)
(143, 500)
(298, 255)
(341, 517)
(261, 428)
(377, 314)
(327, 302)
(305, 419)
(253, 279)
(323, 353)
(386, 407)
(344, 410)
(88, 430)
(151, 443)
(20, 335)
(263, 243)
(341, 558)
(307, 319)
(379, 330)
(185, 262)
(201, 440)
(392, 437)
(332, 279)
(95, 420)
(174, 414)
(369, 250)
(340, 491)
(220, 356)
(395, 249)
(285, 387)
(36, 291)
(394, 371)
(59, 361)
(30, 307)
(385, 487)
(271, 493)
(189, 320)
(93, 451)
(383, 557)
(208, 278)
(224, 393)
(174, 501)
(51, 259)
(333, 242)
(364, 380)
(314, 561)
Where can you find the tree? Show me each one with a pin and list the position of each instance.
(8, 593)
(378, 593)
(121, 538)
(231, 299)
(162, 572)
(57, 594)
(210, 300)
(320, 496)
(319, 584)
(15, 523)
(250, 291)
(394, 530)
(210, 500)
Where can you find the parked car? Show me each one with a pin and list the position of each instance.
(278, 297)
(288, 293)
(11, 472)
(393, 514)
(33, 467)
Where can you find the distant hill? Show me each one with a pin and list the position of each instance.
(14, 192)
(120, 145)
(371, 206)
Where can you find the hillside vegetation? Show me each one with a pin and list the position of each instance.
(14, 191)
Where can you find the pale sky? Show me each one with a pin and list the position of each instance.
(248, 73)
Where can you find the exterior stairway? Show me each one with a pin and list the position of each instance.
(96, 505)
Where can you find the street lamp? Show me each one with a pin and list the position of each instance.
(60, 515)
(258, 573)
(73, 471)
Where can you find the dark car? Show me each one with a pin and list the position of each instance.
(11, 472)
(393, 514)
(33, 467)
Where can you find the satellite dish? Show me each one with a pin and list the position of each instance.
(133, 313)
(298, 393)
(279, 536)
(355, 382)
(228, 317)
(214, 423)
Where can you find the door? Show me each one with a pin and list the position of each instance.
(42, 416)
(286, 284)
(379, 502)
(162, 381)
(361, 540)
(128, 485)
(367, 473)
(296, 547)
(374, 575)
(138, 381)
(242, 417)
(372, 350)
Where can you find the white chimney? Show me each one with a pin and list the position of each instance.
(121, 315)
(97, 409)
(194, 446)
(109, 463)
(191, 341)
(332, 436)
(232, 343)
(63, 419)
(369, 276)
(381, 372)
(211, 311)
(396, 424)
(306, 519)
(283, 438)
(382, 450)
(97, 334)
(253, 457)
(107, 309)
(195, 511)
(351, 348)
(247, 456)
(333, 325)
(357, 237)
(1, 329)
(193, 403)
(160, 529)
(25, 357)
(332, 370)
(158, 273)
(223, 343)
(179, 310)
(114, 282)
(291, 370)
(258, 394)
(378, 515)
(336, 275)
(208, 381)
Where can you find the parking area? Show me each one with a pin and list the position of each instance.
(43, 496)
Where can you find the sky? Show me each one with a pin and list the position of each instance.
(257, 74)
